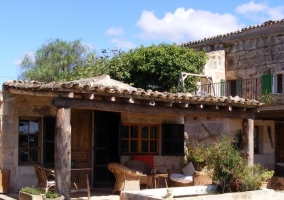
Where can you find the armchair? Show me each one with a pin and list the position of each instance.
(126, 179)
(142, 167)
(198, 178)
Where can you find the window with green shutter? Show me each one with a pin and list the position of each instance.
(266, 83)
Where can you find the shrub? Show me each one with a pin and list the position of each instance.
(51, 195)
(32, 190)
(230, 169)
(197, 154)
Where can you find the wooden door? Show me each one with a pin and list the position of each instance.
(81, 143)
(279, 148)
(106, 147)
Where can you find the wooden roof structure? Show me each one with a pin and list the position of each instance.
(104, 93)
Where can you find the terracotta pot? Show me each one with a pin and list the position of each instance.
(61, 197)
(264, 185)
(27, 196)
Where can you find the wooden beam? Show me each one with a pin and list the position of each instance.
(168, 104)
(129, 100)
(66, 94)
(62, 152)
(148, 102)
(146, 109)
(33, 92)
(109, 98)
(88, 96)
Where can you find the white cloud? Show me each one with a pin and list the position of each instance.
(123, 44)
(261, 12)
(115, 31)
(185, 25)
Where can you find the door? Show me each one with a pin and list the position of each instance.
(81, 145)
(279, 148)
(106, 146)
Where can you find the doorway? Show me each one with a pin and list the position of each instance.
(106, 146)
(279, 149)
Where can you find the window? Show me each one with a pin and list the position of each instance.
(173, 139)
(141, 138)
(29, 148)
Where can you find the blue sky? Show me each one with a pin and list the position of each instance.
(123, 24)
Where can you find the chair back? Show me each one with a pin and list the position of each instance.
(139, 166)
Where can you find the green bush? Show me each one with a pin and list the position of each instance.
(230, 169)
(51, 195)
(32, 190)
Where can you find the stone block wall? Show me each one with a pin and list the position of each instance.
(251, 58)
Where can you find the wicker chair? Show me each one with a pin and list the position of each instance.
(199, 178)
(46, 178)
(126, 179)
(142, 167)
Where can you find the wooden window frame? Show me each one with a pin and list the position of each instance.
(140, 139)
(38, 148)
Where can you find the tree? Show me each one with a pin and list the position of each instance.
(57, 60)
(157, 66)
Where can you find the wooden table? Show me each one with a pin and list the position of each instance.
(156, 179)
(75, 188)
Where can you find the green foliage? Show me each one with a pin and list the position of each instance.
(197, 154)
(157, 66)
(266, 98)
(32, 190)
(56, 61)
(51, 195)
(264, 174)
(230, 169)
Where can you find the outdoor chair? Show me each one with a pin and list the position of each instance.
(46, 179)
(126, 179)
(188, 176)
(142, 167)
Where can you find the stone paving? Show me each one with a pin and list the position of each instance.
(105, 194)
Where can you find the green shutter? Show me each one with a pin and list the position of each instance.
(223, 87)
(266, 84)
(239, 87)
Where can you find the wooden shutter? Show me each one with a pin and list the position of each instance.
(223, 87)
(239, 87)
(266, 83)
(173, 139)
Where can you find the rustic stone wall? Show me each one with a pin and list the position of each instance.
(254, 57)
(266, 154)
(25, 106)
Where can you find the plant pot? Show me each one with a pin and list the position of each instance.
(27, 196)
(264, 184)
(61, 197)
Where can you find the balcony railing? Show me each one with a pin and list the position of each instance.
(268, 89)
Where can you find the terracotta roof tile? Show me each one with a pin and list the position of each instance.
(106, 86)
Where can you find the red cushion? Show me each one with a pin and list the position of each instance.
(148, 159)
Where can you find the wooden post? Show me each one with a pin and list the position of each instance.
(248, 140)
(63, 152)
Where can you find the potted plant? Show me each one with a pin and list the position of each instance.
(264, 174)
(197, 154)
(30, 193)
(52, 196)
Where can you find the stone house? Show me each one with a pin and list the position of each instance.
(99, 120)
(253, 62)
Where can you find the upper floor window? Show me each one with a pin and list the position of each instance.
(29, 148)
(141, 138)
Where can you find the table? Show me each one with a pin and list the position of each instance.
(156, 179)
(75, 188)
